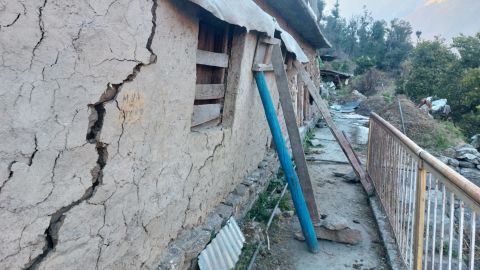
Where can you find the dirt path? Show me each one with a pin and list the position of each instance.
(337, 199)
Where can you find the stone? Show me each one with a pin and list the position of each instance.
(444, 159)
(315, 142)
(334, 223)
(213, 222)
(475, 141)
(351, 177)
(466, 164)
(468, 157)
(241, 190)
(466, 151)
(288, 214)
(346, 236)
(263, 164)
(173, 259)
(472, 175)
(453, 162)
(194, 242)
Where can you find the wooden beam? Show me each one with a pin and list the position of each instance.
(293, 133)
(212, 59)
(269, 40)
(209, 91)
(346, 147)
(262, 67)
(205, 113)
(419, 217)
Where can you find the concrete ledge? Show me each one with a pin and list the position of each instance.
(386, 233)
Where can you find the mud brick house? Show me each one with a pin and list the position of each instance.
(125, 123)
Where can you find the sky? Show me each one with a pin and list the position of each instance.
(447, 18)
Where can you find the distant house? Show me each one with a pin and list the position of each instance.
(125, 123)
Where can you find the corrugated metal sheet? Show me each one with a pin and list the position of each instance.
(224, 250)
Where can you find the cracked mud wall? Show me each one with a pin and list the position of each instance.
(98, 166)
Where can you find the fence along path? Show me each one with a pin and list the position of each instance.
(433, 210)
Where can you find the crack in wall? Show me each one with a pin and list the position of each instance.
(57, 218)
(11, 23)
(96, 121)
(10, 174)
(30, 160)
(41, 26)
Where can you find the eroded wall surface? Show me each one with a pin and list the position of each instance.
(99, 168)
(98, 165)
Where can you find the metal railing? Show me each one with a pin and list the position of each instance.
(433, 210)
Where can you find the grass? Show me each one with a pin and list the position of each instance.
(247, 253)
(388, 97)
(443, 136)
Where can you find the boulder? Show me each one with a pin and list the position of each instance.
(466, 164)
(466, 151)
(453, 162)
(472, 175)
(444, 159)
(475, 141)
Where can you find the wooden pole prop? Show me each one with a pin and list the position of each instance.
(346, 147)
(293, 133)
(286, 162)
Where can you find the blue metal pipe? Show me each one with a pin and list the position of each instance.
(286, 162)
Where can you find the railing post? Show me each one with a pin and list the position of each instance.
(419, 216)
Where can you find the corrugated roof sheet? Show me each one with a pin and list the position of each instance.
(224, 250)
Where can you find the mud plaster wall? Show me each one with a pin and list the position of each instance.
(98, 165)
(312, 67)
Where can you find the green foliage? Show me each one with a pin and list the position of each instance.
(285, 204)
(262, 208)
(388, 98)
(432, 69)
(469, 49)
(386, 45)
(364, 63)
(429, 71)
(341, 65)
(246, 255)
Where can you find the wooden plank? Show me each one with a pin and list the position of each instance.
(262, 67)
(293, 133)
(346, 147)
(212, 59)
(419, 217)
(269, 40)
(209, 91)
(205, 113)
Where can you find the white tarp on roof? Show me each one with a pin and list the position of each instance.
(292, 45)
(246, 13)
(243, 13)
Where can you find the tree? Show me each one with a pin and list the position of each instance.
(466, 102)
(321, 9)
(430, 71)
(398, 43)
(469, 49)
